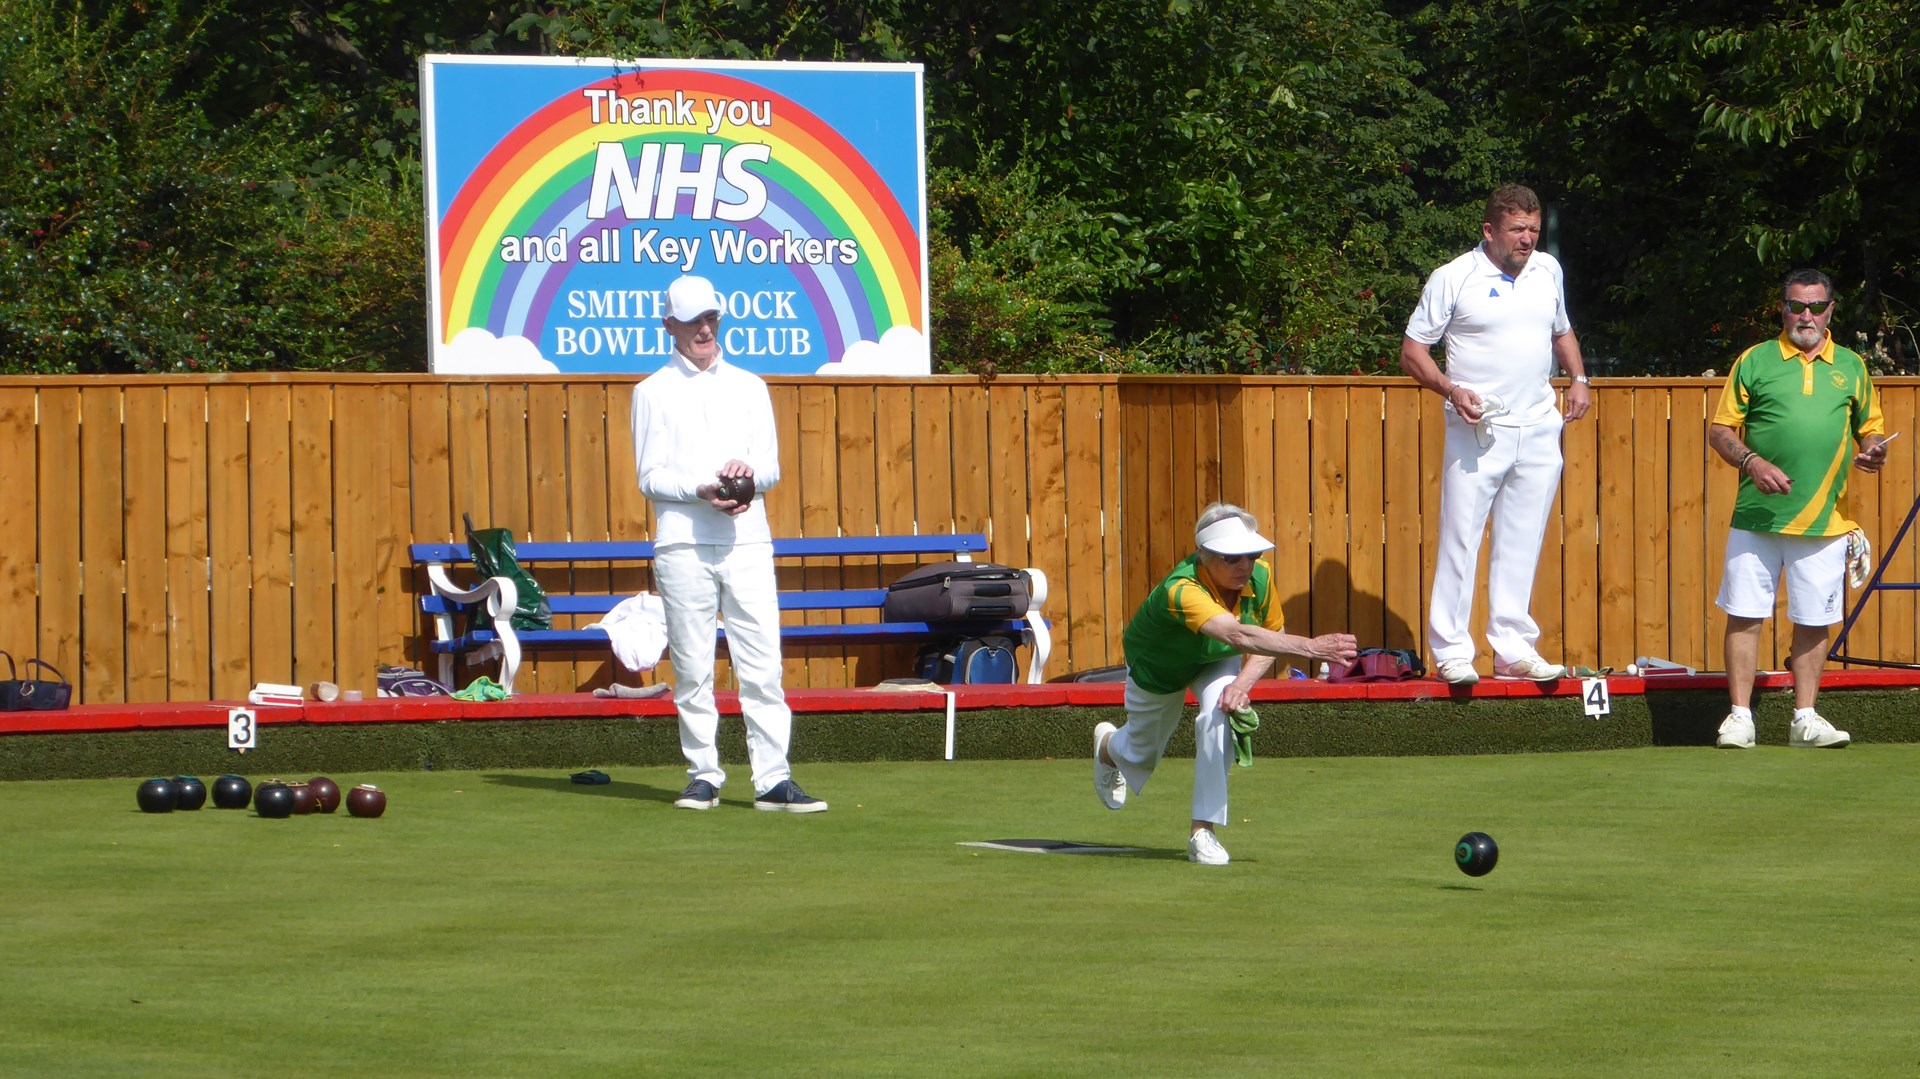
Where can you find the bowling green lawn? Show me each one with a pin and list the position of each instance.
(1654, 912)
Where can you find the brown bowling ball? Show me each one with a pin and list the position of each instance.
(366, 800)
(304, 799)
(327, 791)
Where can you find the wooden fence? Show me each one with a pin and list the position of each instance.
(176, 538)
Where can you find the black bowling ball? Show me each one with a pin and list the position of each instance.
(156, 796)
(189, 792)
(273, 800)
(232, 792)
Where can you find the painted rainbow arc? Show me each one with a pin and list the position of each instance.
(537, 179)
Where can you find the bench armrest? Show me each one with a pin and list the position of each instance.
(1042, 638)
(500, 597)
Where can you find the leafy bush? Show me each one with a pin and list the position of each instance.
(137, 234)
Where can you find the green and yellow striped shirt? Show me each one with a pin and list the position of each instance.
(1165, 649)
(1802, 414)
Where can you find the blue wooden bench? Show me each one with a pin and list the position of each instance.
(493, 633)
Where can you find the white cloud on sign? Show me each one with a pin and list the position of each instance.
(475, 351)
(900, 351)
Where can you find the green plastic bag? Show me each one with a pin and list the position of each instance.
(492, 552)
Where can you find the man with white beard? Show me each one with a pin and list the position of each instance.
(1791, 412)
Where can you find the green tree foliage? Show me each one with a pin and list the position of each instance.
(150, 223)
(1695, 153)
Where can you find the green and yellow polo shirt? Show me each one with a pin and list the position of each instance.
(1803, 414)
(1165, 649)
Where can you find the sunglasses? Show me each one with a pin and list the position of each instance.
(1818, 307)
(1235, 559)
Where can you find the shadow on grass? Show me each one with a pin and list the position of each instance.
(564, 785)
(1460, 888)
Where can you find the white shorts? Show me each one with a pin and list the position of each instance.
(1816, 569)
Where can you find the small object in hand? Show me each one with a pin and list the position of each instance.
(189, 793)
(736, 489)
(326, 791)
(156, 795)
(1476, 854)
(366, 800)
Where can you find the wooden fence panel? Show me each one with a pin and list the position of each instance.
(1293, 520)
(1404, 548)
(231, 587)
(893, 485)
(1078, 603)
(60, 578)
(1332, 579)
(1049, 511)
(145, 464)
(20, 523)
(253, 528)
(1615, 463)
(1580, 584)
(857, 451)
(1366, 514)
(1895, 610)
(587, 496)
(314, 657)
(359, 518)
(101, 678)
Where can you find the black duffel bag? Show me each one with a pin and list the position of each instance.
(958, 592)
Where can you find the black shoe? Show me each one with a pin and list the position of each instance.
(787, 797)
(698, 795)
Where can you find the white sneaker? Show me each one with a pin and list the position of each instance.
(1736, 732)
(1204, 847)
(1531, 669)
(1108, 783)
(1815, 733)
(1459, 672)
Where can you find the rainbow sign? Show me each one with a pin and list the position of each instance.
(563, 196)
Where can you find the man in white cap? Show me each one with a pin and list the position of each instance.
(1213, 626)
(704, 444)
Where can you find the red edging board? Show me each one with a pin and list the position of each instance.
(172, 715)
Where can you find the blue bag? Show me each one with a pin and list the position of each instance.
(970, 661)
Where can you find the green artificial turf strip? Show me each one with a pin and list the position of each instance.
(1655, 911)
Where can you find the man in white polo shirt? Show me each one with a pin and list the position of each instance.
(1501, 310)
(704, 445)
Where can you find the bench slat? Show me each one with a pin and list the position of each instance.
(851, 633)
(823, 600)
(790, 547)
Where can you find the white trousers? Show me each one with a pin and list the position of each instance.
(1514, 479)
(700, 583)
(1151, 721)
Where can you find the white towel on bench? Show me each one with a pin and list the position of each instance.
(638, 629)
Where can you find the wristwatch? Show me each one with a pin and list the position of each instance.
(1582, 380)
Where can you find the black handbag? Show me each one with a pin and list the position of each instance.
(9, 689)
(40, 694)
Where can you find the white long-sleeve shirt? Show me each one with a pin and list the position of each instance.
(687, 423)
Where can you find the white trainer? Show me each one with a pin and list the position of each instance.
(1816, 733)
(1458, 672)
(1108, 783)
(1204, 847)
(1736, 732)
(1531, 669)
